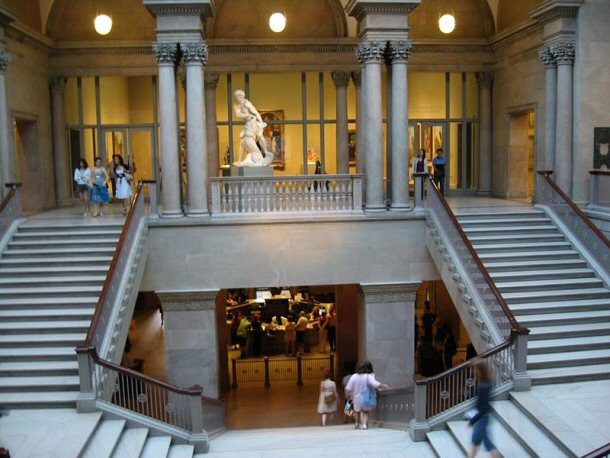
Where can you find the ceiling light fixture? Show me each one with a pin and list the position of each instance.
(277, 22)
(446, 23)
(103, 24)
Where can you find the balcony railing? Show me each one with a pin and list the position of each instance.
(286, 194)
(600, 188)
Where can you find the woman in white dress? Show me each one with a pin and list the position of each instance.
(123, 184)
(327, 402)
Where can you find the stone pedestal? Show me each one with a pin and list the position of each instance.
(266, 171)
(191, 339)
(387, 332)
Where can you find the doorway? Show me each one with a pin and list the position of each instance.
(27, 163)
(521, 156)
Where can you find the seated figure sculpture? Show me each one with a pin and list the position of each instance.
(252, 148)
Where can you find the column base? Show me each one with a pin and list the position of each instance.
(483, 193)
(171, 214)
(197, 213)
(400, 207)
(375, 208)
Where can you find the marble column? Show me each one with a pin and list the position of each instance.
(398, 131)
(564, 55)
(550, 118)
(5, 144)
(485, 80)
(360, 166)
(386, 335)
(341, 80)
(371, 55)
(63, 178)
(388, 129)
(195, 57)
(165, 54)
(191, 339)
(211, 81)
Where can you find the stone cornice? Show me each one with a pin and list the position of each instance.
(360, 8)
(181, 8)
(390, 293)
(179, 301)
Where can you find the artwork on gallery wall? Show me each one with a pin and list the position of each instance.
(275, 136)
(351, 145)
(601, 148)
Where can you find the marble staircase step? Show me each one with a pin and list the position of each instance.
(81, 235)
(57, 252)
(444, 445)
(49, 302)
(104, 439)
(42, 340)
(546, 285)
(50, 291)
(499, 231)
(68, 228)
(55, 271)
(156, 447)
(517, 246)
(527, 431)
(545, 274)
(523, 237)
(521, 213)
(568, 358)
(131, 443)
(565, 344)
(529, 255)
(553, 319)
(558, 294)
(181, 451)
(43, 327)
(49, 243)
(569, 374)
(508, 445)
(38, 400)
(53, 261)
(34, 368)
(39, 383)
(533, 264)
(41, 353)
(524, 309)
(49, 314)
(569, 330)
(44, 281)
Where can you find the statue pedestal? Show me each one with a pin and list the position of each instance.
(264, 171)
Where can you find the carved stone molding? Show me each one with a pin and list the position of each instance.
(4, 60)
(357, 78)
(195, 53)
(386, 294)
(371, 52)
(564, 53)
(211, 80)
(165, 53)
(399, 51)
(184, 301)
(341, 78)
(58, 84)
(485, 79)
(547, 56)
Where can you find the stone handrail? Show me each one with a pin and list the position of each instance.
(10, 208)
(600, 188)
(286, 194)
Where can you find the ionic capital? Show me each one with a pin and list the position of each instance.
(399, 51)
(165, 53)
(371, 52)
(341, 79)
(195, 53)
(485, 79)
(564, 53)
(546, 54)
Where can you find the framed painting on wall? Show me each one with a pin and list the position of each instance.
(275, 136)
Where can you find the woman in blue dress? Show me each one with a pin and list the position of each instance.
(99, 191)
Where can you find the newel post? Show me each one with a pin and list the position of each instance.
(86, 397)
(199, 437)
(420, 425)
(521, 379)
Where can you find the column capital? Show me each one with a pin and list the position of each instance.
(340, 78)
(356, 78)
(564, 53)
(399, 51)
(547, 56)
(4, 60)
(211, 79)
(195, 52)
(371, 52)
(58, 84)
(165, 53)
(485, 79)
(183, 301)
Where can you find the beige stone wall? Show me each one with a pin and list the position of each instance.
(591, 89)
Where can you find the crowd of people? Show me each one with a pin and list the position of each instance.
(92, 184)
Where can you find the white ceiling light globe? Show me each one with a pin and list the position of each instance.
(103, 24)
(446, 23)
(277, 22)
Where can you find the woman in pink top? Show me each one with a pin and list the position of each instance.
(357, 383)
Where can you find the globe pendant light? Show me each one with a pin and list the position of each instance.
(103, 24)
(277, 22)
(446, 23)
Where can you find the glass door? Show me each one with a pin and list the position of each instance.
(113, 141)
(141, 153)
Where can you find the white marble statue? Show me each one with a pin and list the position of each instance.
(252, 147)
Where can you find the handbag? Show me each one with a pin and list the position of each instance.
(368, 399)
(329, 398)
(348, 409)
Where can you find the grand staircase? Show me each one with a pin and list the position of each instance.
(552, 290)
(50, 280)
